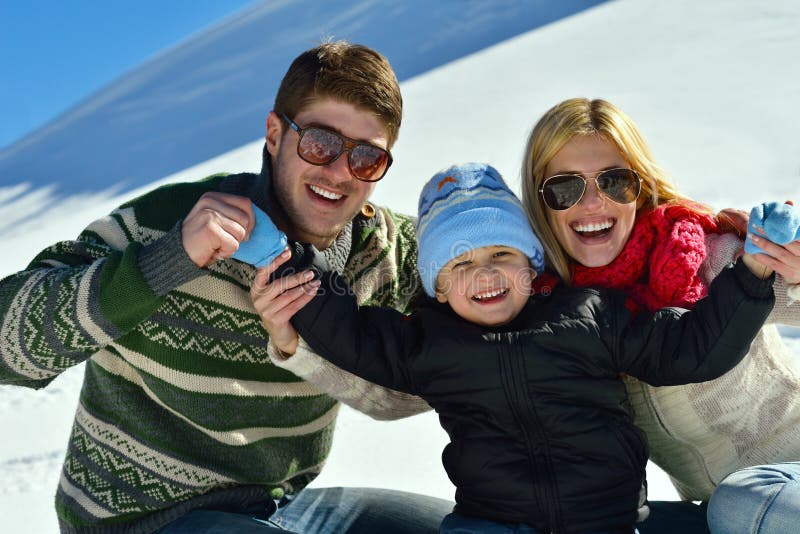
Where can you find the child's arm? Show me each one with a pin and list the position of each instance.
(380, 403)
(369, 342)
(372, 342)
(675, 346)
(756, 267)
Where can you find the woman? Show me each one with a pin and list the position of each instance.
(607, 216)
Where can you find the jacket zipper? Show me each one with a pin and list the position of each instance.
(512, 371)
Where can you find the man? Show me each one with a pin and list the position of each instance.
(183, 423)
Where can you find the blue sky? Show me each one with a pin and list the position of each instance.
(179, 101)
(55, 53)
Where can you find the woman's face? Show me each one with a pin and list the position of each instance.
(594, 231)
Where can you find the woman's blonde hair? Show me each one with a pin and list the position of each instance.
(562, 122)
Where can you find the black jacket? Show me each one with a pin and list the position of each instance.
(540, 425)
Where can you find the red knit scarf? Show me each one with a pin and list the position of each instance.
(660, 262)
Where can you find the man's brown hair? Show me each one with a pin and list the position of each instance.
(351, 73)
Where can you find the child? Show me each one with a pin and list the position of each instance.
(526, 385)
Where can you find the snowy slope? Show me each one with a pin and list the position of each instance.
(209, 94)
(713, 85)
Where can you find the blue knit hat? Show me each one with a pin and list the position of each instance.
(466, 207)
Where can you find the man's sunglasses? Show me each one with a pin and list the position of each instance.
(321, 146)
(562, 191)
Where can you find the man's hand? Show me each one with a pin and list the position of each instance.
(278, 301)
(215, 227)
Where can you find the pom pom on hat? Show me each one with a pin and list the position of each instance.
(466, 207)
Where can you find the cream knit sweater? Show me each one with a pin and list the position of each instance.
(700, 433)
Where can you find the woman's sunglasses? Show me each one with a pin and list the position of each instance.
(562, 191)
(320, 146)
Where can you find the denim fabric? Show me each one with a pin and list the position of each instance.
(763, 499)
(460, 524)
(325, 511)
(251, 520)
(362, 511)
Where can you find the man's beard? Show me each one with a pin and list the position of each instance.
(293, 221)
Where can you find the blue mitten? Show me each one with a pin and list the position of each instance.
(780, 222)
(265, 242)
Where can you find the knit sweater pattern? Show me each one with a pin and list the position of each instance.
(180, 406)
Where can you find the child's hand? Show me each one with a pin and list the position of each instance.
(783, 259)
(783, 256)
(755, 265)
(276, 302)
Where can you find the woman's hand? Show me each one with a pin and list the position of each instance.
(732, 221)
(278, 301)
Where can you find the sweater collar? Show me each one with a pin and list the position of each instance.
(259, 192)
(261, 187)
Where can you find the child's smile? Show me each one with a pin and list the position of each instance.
(488, 286)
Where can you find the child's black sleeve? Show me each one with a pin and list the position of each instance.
(675, 346)
(371, 342)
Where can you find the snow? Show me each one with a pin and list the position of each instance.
(711, 84)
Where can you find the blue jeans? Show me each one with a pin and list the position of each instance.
(325, 511)
(461, 524)
(764, 499)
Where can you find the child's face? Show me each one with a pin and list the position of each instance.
(487, 286)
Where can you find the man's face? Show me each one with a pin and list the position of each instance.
(320, 200)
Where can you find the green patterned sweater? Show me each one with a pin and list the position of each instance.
(180, 406)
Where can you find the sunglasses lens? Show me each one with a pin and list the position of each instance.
(620, 185)
(319, 147)
(368, 162)
(563, 191)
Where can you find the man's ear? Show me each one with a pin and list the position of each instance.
(274, 133)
